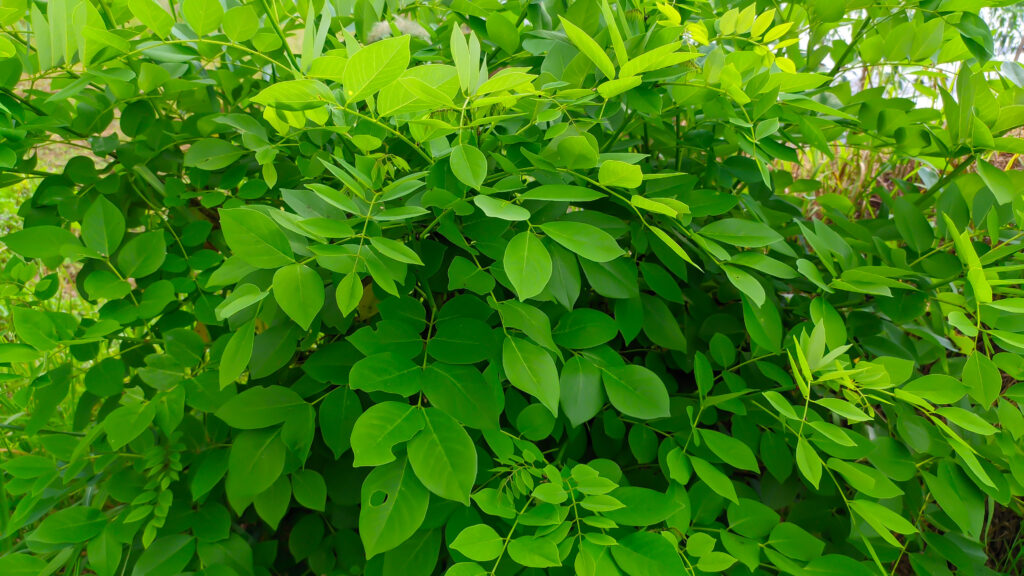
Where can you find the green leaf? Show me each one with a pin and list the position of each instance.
(241, 23)
(17, 353)
(309, 489)
(502, 209)
(396, 250)
(28, 466)
(204, 16)
(746, 283)
(983, 380)
(581, 394)
(585, 328)
(393, 505)
(41, 241)
(419, 88)
(585, 240)
(296, 95)
(128, 422)
(260, 407)
(966, 419)
(501, 29)
(386, 372)
(638, 506)
(642, 552)
(751, 518)
(808, 461)
(349, 293)
(565, 282)
(153, 16)
(255, 462)
(443, 456)
(534, 552)
(462, 58)
(103, 226)
(212, 154)
(374, 67)
(339, 411)
(589, 48)
(237, 353)
(531, 369)
(830, 564)
(613, 88)
(795, 542)
(844, 409)
(715, 562)
(142, 255)
(464, 394)
(272, 504)
(469, 165)
(731, 450)
(299, 291)
(166, 556)
(461, 341)
(255, 238)
(663, 206)
(531, 320)
(241, 298)
(576, 153)
(528, 264)
(417, 556)
(913, 225)
(70, 526)
(998, 182)
(936, 388)
(479, 542)
(613, 28)
(21, 565)
(715, 479)
(739, 232)
(208, 471)
(620, 174)
(615, 279)
(636, 391)
(382, 427)
(466, 569)
(562, 193)
(35, 328)
(656, 59)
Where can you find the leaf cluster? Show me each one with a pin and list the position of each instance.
(507, 288)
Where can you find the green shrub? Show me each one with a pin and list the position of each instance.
(516, 285)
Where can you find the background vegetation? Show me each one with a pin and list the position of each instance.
(644, 288)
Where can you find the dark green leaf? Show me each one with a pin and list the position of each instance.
(70, 525)
(531, 369)
(260, 407)
(585, 240)
(255, 238)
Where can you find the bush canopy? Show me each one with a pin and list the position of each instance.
(525, 287)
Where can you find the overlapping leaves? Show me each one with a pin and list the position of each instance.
(520, 286)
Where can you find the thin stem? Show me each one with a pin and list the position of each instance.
(284, 40)
(41, 431)
(508, 538)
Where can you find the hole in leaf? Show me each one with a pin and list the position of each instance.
(378, 498)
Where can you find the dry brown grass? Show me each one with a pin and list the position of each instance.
(854, 173)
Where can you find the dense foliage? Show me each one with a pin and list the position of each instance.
(404, 288)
